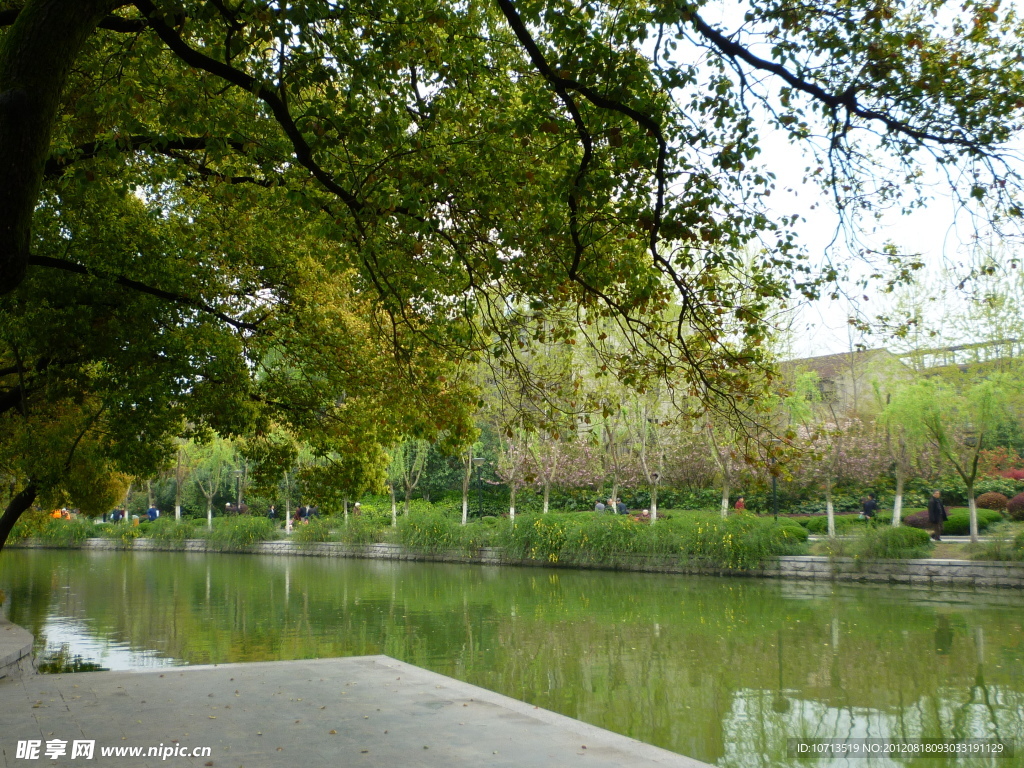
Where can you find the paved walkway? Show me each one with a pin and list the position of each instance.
(363, 711)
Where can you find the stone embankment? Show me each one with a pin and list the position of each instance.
(931, 572)
(15, 651)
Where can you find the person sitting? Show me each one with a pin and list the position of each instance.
(621, 508)
(599, 507)
(740, 505)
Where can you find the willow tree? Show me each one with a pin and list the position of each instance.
(589, 161)
(959, 422)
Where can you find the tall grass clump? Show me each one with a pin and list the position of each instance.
(738, 543)
(65, 533)
(315, 531)
(888, 543)
(29, 526)
(364, 529)
(998, 549)
(169, 532)
(240, 533)
(429, 531)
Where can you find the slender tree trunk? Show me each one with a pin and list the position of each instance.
(177, 488)
(394, 505)
(241, 487)
(726, 488)
(344, 507)
(974, 512)
(288, 502)
(408, 498)
(17, 505)
(547, 493)
(897, 502)
(512, 502)
(149, 492)
(466, 477)
(830, 512)
(654, 503)
(209, 512)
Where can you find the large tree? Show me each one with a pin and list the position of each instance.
(190, 185)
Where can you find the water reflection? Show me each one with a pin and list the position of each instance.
(723, 670)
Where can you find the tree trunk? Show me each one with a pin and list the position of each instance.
(36, 55)
(15, 508)
(547, 494)
(726, 488)
(654, 503)
(897, 503)
(344, 507)
(177, 488)
(512, 502)
(466, 477)
(394, 505)
(974, 513)
(209, 512)
(241, 486)
(830, 510)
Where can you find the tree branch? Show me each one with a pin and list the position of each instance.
(176, 298)
(846, 100)
(56, 164)
(263, 91)
(112, 22)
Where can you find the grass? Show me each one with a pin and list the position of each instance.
(237, 534)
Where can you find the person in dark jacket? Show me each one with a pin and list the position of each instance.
(870, 507)
(936, 514)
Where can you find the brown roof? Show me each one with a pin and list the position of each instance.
(833, 366)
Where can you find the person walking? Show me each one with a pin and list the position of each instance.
(870, 507)
(936, 514)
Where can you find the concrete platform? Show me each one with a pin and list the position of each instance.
(363, 711)
(15, 650)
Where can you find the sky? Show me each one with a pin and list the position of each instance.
(940, 232)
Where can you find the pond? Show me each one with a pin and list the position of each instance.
(724, 670)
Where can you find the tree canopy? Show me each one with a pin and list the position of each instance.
(235, 214)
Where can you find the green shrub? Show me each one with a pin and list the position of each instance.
(796, 530)
(316, 530)
(891, 543)
(57, 532)
(959, 523)
(241, 532)
(819, 525)
(169, 532)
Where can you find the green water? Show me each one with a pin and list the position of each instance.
(722, 670)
